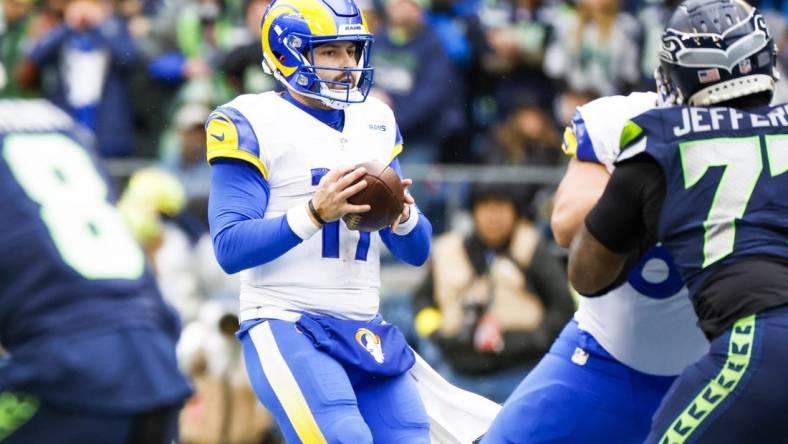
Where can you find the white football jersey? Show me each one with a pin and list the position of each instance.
(647, 323)
(335, 272)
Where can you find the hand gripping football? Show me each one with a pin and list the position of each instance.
(383, 193)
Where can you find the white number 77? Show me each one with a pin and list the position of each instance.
(743, 164)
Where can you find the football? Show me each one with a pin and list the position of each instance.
(384, 193)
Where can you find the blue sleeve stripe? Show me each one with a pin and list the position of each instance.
(247, 139)
(241, 237)
(398, 139)
(412, 248)
(585, 148)
(363, 246)
(331, 239)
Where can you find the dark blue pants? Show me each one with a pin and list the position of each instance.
(738, 393)
(25, 420)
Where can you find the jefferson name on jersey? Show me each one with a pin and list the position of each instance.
(700, 120)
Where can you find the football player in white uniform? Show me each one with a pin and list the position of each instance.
(607, 372)
(318, 354)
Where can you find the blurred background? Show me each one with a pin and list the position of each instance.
(481, 89)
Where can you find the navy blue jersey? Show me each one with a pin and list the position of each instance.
(727, 187)
(68, 262)
(74, 285)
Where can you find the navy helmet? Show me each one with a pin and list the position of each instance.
(714, 51)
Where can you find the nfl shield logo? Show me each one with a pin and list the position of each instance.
(745, 66)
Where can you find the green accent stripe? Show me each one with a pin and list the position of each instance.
(740, 347)
(15, 410)
(630, 132)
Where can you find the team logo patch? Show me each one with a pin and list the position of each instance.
(371, 343)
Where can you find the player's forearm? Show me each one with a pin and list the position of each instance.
(250, 243)
(579, 190)
(592, 266)
(241, 237)
(414, 247)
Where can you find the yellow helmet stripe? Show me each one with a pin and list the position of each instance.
(364, 21)
(318, 17)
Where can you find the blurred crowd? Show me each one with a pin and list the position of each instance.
(470, 82)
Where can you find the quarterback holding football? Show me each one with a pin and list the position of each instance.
(293, 214)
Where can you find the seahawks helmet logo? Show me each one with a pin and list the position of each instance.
(711, 50)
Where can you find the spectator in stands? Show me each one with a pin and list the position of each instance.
(150, 196)
(176, 243)
(241, 65)
(457, 25)
(652, 15)
(188, 42)
(517, 35)
(527, 136)
(566, 103)
(415, 77)
(224, 408)
(90, 57)
(184, 154)
(597, 47)
(495, 299)
(14, 31)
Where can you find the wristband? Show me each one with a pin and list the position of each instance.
(315, 214)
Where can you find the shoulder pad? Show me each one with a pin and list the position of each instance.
(577, 142)
(230, 135)
(32, 115)
(632, 141)
(397, 144)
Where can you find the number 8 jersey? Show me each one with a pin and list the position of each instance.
(68, 262)
(337, 271)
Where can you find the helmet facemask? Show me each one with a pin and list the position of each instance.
(343, 86)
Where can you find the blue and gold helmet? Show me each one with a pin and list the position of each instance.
(714, 51)
(291, 29)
